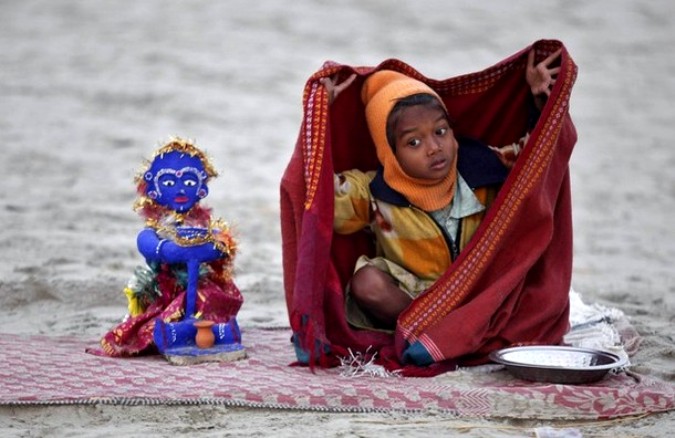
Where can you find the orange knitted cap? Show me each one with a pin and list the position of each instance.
(380, 93)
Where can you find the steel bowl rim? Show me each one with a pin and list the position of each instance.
(496, 356)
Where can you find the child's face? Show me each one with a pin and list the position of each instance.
(425, 145)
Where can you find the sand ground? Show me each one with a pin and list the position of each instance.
(87, 89)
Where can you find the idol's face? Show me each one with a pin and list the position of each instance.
(177, 181)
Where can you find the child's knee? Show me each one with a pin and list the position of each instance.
(369, 285)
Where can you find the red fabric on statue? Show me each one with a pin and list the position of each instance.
(218, 300)
(510, 285)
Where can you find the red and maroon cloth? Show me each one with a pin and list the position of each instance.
(509, 286)
(218, 300)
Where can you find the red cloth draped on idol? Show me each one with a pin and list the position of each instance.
(187, 281)
(429, 221)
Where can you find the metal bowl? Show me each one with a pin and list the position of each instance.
(556, 364)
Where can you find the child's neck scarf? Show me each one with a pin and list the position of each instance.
(428, 194)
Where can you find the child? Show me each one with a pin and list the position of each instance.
(421, 206)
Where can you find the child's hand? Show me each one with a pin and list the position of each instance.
(540, 77)
(508, 154)
(333, 88)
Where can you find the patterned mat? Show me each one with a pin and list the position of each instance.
(42, 370)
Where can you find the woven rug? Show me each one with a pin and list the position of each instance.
(43, 370)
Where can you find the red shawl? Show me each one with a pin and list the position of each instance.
(509, 286)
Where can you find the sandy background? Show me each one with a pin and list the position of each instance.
(89, 88)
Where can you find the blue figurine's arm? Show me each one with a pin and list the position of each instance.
(147, 242)
(155, 249)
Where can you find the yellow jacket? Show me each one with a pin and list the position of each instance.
(405, 234)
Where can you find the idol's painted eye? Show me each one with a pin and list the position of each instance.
(190, 183)
(169, 183)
